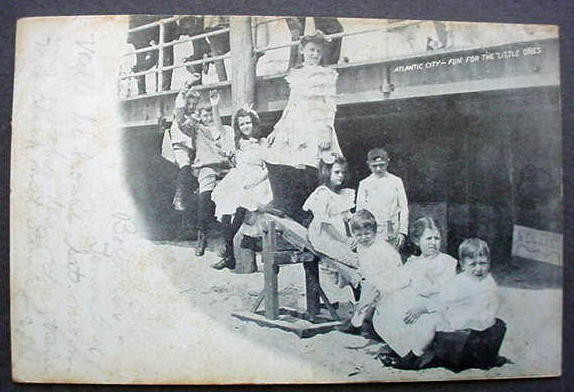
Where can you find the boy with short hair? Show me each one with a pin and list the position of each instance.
(379, 264)
(181, 141)
(215, 146)
(383, 194)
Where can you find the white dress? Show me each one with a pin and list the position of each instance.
(249, 171)
(423, 277)
(309, 115)
(333, 208)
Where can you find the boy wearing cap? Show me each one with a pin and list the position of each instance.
(383, 194)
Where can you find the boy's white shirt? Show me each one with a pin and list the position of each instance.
(464, 302)
(379, 265)
(385, 198)
(224, 137)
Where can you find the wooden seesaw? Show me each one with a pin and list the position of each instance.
(285, 243)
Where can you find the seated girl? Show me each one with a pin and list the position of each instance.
(465, 308)
(331, 206)
(420, 278)
(246, 187)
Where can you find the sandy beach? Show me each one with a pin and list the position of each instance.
(530, 304)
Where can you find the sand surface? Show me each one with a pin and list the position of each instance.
(530, 304)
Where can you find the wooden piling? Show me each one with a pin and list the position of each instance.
(243, 62)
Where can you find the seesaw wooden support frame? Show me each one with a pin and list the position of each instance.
(294, 249)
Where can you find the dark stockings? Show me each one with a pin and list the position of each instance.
(231, 227)
(291, 187)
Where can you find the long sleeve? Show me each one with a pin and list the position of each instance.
(318, 204)
(331, 92)
(465, 303)
(381, 266)
(403, 208)
(444, 271)
(228, 134)
(361, 196)
(438, 272)
(183, 123)
(488, 317)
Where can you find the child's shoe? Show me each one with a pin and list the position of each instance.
(348, 327)
(201, 244)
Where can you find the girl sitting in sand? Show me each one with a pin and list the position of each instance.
(453, 324)
(421, 277)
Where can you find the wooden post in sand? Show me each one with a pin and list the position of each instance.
(270, 271)
(312, 288)
(243, 62)
(244, 258)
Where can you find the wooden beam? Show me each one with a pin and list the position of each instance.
(243, 59)
(293, 321)
(312, 288)
(270, 272)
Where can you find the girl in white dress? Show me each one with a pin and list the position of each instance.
(331, 206)
(305, 132)
(420, 278)
(464, 308)
(246, 187)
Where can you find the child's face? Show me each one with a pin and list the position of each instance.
(365, 237)
(245, 125)
(429, 242)
(476, 267)
(338, 173)
(312, 53)
(205, 116)
(190, 105)
(379, 169)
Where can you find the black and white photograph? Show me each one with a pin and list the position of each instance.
(212, 199)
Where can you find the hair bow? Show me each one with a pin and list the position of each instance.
(329, 157)
(248, 108)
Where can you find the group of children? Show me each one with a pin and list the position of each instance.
(299, 171)
(425, 312)
(222, 164)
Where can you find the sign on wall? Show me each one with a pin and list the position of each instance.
(537, 245)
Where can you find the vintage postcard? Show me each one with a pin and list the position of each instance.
(254, 199)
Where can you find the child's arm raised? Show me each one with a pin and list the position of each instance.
(214, 101)
(324, 138)
(185, 103)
